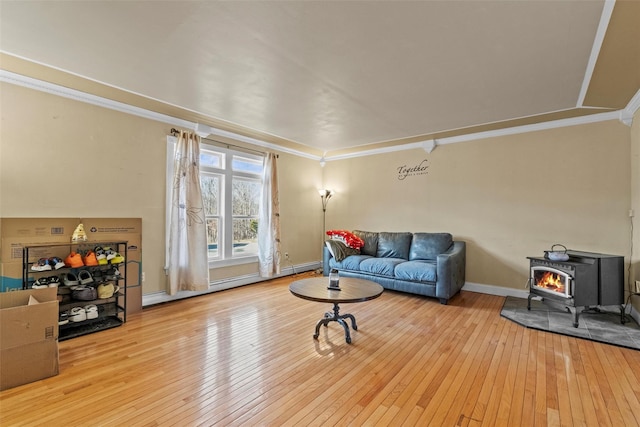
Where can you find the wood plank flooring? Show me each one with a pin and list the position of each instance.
(246, 356)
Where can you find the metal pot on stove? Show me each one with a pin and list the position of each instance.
(557, 255)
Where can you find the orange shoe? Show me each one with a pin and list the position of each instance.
(90, 259)
(73, 260)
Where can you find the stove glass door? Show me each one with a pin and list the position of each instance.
(550, 280)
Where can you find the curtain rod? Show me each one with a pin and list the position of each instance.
(176, 132)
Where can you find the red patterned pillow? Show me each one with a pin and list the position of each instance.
(347, 237)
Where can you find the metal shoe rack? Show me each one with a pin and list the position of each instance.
(111, 311)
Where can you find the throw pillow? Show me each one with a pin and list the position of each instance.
(339, 250)
(347, 237)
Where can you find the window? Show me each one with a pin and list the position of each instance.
(231, 183)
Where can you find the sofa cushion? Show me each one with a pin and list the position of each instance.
(427, 246)
(380, 266)
(393, 245)
(370, 242)
(351, 262)
(417, 271)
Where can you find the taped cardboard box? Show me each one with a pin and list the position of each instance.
(28, 336)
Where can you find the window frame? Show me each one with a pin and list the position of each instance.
(226, 256)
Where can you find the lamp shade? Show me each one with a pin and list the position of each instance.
(325, 193)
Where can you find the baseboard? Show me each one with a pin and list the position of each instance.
(495, 290)
(234, 282)
(223, 284)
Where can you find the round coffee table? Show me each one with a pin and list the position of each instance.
(351, 290)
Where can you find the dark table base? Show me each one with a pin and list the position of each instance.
(337, 317)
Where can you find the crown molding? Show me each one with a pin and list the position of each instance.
(624, 116)
(605, 17)
(65, 92)
(574, 121)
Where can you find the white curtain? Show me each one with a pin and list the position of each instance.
(269, 220)
(188, 264)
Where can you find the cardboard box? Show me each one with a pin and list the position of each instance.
(16, 233)
(134, 299)
(10, 276)
(104, 229)
(43, 228)
(28, 336)
(20, 232)
(11, 259)
(12, 248)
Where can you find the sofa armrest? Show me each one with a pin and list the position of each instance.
(326, 256)
(451, 271)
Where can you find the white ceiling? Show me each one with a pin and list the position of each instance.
(328, 75)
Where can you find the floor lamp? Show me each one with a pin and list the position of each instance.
(325, 195)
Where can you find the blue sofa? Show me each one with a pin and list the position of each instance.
(429, 264)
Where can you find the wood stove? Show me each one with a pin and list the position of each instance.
(585, 281)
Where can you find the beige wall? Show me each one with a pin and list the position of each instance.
(507, 197)
(64, 158)
(635, 202)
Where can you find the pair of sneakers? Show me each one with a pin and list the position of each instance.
(78, 314)
(82, 278)
(76, 259)
(107, 255)
(46, 282)
(47, 264)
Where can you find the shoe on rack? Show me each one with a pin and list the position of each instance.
(41, 283)
(90, 259)
(98, 275)
(106, 290)
(101, 255)
(112, 274)
(85, 277)
(73, 260)
(63, 318)
(54, 281)
(84, 293)
(109, 253)
(70, 279)
(56, 262)
(99, 251)
(92, 311)
(117, 258)
(77, 314)
(41, 265)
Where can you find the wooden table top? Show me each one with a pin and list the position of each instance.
(351, 290)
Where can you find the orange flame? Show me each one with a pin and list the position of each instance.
(552, 282)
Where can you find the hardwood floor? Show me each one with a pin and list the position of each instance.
(246, 356)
